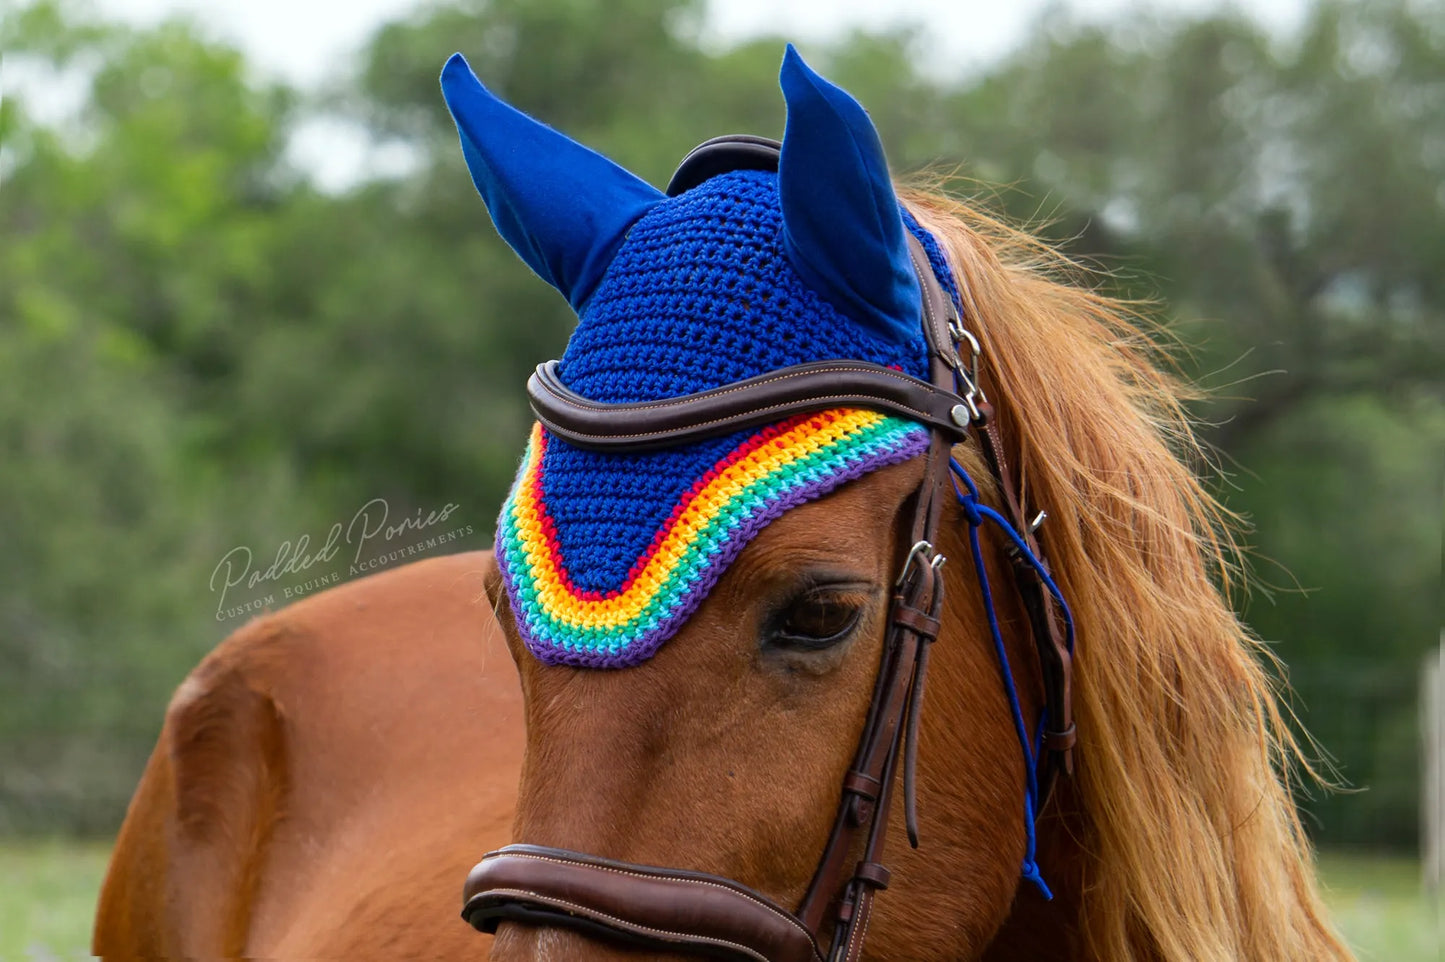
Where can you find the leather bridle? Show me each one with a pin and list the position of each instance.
(689, 912)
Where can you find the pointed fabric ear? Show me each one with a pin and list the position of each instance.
(841, 226)
(563, 208)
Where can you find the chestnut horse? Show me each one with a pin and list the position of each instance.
(326, 777)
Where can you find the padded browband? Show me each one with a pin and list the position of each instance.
(757, 401)
(768, 398)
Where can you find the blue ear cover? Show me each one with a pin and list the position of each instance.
(565, 209)
(842, 228)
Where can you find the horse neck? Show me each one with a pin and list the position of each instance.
(1036, 928)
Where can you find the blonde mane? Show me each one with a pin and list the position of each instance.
(1194, 850)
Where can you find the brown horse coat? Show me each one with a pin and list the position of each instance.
(326, 777)
(397, 698)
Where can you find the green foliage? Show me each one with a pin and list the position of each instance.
(47, 898)
(200, 349)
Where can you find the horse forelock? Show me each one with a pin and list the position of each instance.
(1185, 758)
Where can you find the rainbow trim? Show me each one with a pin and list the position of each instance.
(778, 468)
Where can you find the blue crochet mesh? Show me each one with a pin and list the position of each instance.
(700, 294)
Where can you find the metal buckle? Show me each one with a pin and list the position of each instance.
(972, 393)
(922, 550)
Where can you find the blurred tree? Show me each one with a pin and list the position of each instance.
(199, 348)
(131, 242)
(1284, 200)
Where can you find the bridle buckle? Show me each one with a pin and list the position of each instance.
(967, 378)
(921, 552)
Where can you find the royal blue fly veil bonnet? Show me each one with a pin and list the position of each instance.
(766, 265)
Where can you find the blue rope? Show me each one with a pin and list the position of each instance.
(976, 512)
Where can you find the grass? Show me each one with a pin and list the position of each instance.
(47, 896)
(1379, 905)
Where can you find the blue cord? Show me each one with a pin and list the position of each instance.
(976, 512)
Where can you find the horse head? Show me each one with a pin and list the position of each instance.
(764, 459)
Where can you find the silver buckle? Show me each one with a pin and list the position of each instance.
(972, 394)
(921, 551)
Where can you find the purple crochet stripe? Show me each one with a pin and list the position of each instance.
(645, 645)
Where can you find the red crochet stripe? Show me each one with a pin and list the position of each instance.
(549, 530)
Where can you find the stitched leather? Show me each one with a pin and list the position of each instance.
(689, 911)
(804, 388)
(917, 621)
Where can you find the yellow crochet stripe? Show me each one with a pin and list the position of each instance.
(554, 596)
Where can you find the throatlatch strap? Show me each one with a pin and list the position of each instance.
(1053, 636)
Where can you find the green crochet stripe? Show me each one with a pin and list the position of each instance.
(821, 470)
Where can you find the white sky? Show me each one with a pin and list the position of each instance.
(302, 39)
(308, 41)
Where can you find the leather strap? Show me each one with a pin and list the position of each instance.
(755, 402)
(638, 904)
(891, 729)
(1050, 639)
(722, 154)
(1046, 627)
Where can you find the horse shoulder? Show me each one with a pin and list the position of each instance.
(313, 751)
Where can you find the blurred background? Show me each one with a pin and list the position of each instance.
(246, 290)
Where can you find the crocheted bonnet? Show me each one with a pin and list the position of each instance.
(605, 555)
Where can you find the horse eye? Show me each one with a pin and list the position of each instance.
(815, 621)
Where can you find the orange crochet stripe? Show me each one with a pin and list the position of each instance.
(780, 466)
